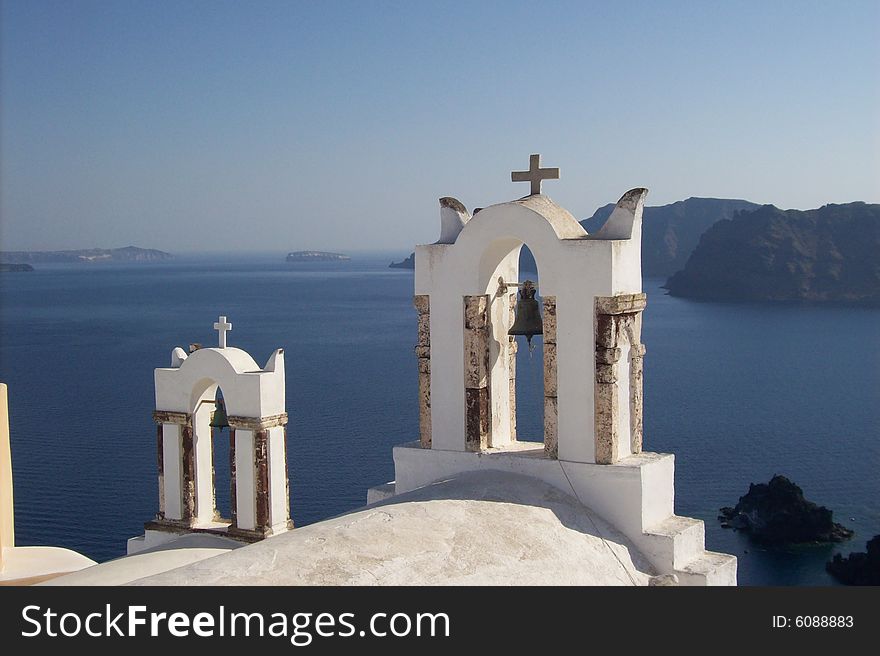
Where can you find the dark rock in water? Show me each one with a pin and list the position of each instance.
(15, 267)
(408, 263)
(859, 568)
(776, 513)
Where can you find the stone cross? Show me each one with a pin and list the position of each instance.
(222, 328)
(535, 174)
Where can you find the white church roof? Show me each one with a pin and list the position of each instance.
(486, 528)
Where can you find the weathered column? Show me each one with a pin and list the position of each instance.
(618, 331)
(233, 510)
(551, 406)
(261, 494)
(188, 513)
(160, 451)
(175, 467)
(636, 412)
(422, 303)
(476, 372)
(512, 349)
(261, 479)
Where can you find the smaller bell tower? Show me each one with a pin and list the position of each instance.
(251, 404)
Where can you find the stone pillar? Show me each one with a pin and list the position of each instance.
(175, 461)
(476, 372)
(512, 349)
(422, 303)
(261, 478)
(160, 450)
(261, 504)
(551, 406)
(618, 325)
(637, 354)
(188, 505)
(233, 509)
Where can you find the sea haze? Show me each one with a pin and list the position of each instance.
(738, 391)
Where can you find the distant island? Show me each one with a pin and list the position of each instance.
(830, 254)
(15, 267)
(127, 254)
(316, 256)
(408, 263)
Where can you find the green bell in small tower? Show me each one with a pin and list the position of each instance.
(218, 417)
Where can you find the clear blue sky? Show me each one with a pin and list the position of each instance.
(337, 125)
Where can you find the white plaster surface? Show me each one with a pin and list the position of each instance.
(172, 458)
(203, 448)
(23, 563)
(245, 486)
(176, 551)
(634, 495)
(277, 479)
(491, 528)
(248, 390)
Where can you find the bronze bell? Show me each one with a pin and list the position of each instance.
(528, 314)
(218, 417)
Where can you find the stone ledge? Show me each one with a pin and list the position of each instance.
(621, 304)
(257, 423)
(171, 417)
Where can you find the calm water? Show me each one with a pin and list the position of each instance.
(738, 391)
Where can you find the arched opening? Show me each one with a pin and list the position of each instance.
(211, 448)
(518, 371)
(528, 386)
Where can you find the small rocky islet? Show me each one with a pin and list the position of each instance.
(778, 514)
(859, 567)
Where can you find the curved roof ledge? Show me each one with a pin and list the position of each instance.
(560, 219)
(240, 361)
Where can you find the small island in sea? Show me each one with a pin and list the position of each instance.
(15, 267)
(88, 255)
(777, 514)
(316, 256)
(408, 263)
(859, 567)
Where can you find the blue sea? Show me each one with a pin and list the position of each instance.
(738, 391)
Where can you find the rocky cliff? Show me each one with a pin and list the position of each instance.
(831, 254)
(669, 232)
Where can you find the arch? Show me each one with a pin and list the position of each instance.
(489, 238)
(254, 400)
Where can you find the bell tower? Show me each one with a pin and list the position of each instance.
(188, 410)
(469, 316)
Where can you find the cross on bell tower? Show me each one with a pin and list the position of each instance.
(535, 174)
(222, 327)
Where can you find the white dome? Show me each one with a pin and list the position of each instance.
(482, 528)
